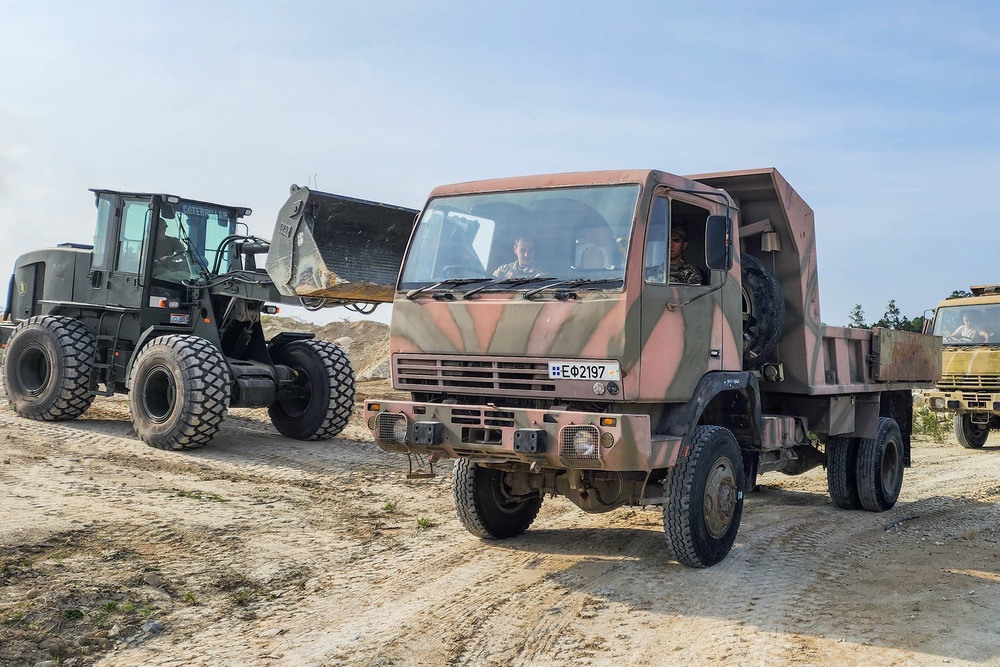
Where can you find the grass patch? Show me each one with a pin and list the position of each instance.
(390, 506)
(201, 495)
(423, 523)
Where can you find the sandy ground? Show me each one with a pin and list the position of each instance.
(259, 550)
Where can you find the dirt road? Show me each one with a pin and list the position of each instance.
(259, 550)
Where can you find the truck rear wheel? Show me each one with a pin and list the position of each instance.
(46, 368)
(704, 499)
(763, 312)
(970, 435)
(880, 467)
(842, 472)
(178, 392)
(485, 505)
(325, 399)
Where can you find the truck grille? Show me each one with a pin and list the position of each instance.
(969, 382)
(473, 375)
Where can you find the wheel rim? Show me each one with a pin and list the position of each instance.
(721, 497)
(976, 430)
(503, 500)
(299, 405)
(891, 467)
(159, 394)
(33, 369)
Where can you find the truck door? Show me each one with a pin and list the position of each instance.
(129, 258)
(681, 337)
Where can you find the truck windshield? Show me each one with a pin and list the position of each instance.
(189, 239)
(563, 234)
(968, 325)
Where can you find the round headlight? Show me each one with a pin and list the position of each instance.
(607, 440)
(399, 429)
(584, 444)
(599, 388)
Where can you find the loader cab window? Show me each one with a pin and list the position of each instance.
(192, 234)
(675, 243)
(105, 206)
(131, 231)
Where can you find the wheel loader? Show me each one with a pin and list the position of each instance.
(166, 306)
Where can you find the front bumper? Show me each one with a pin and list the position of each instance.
(958, 400)
(546, 438)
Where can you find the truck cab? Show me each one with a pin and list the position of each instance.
(969, 388)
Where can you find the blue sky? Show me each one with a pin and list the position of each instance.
(882, 115)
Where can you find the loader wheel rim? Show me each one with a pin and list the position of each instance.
(721, 498)
(299, 405)
(159, 392)
(33, 370)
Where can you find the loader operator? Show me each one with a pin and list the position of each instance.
(170, 252)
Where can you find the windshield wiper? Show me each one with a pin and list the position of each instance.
(577, 282)
(512, 282)
(453, 282)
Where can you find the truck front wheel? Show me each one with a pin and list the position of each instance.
(46, 368)
(178, 392)
(842, 472)
(970, 435)
(704, 498)
(325, 383)
(485, 504)
(880, 467)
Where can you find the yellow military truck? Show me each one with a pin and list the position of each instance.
(970, 364)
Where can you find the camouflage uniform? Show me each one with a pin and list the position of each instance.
(512, 270)
(684, 273)
(680, 272)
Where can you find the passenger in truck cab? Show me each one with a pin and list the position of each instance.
(681, 272)
(526, 265)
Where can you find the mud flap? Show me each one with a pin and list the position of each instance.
(327, 246)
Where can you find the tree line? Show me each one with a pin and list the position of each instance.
(893, 318)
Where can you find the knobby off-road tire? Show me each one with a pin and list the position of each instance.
(326, 384)
(969, 435)
(880, 467)
(842, 472)
(178, 392)
(704, 499)
(484, 504)
(763, 312)
(46, 368)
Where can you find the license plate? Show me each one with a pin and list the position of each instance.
(584, 370)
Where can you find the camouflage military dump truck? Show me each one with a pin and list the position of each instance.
(546, 349)
(970, 364)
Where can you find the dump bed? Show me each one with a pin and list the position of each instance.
(328, 246)
(778, 227)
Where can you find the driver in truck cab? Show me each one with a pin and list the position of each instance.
(681, 272)
(526, 265)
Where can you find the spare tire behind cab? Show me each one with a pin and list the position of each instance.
(763, 312)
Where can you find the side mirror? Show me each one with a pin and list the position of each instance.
(718, 243)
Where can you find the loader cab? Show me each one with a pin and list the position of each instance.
(147, 243)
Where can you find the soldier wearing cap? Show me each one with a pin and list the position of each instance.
(680, 270)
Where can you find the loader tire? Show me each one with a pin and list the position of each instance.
(704, 498)
(325, 397)
(880, 467)
(763, 312)
(842, 472)
(178, 392)
(484, 504)
(46, 368)
(970, 435)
